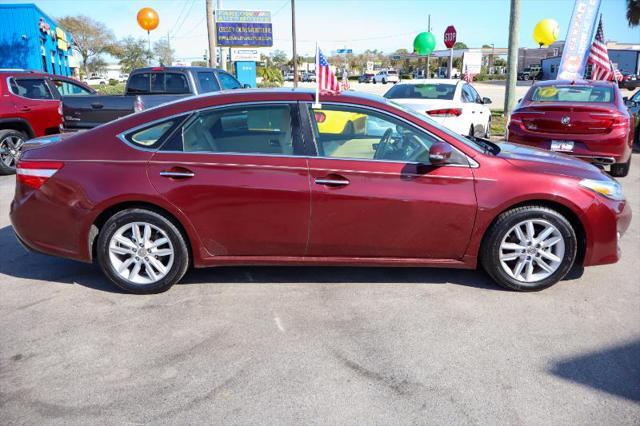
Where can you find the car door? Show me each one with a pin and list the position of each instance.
(238, 174)
(35, 103)
(481, 118)
(470, 109)
(374, 194)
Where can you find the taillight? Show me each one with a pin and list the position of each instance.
(320, 116)
(36, 173)
(445, 112)
(60, 109)
(138, 105)
(515, 119)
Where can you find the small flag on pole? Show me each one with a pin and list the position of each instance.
(326, 79)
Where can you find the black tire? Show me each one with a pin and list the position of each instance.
(472, 131)
(8, 140)
(374, 81)
(487, 132)
(178, 241)
(384, 81)
(525, 77)
(620, 169)
(490, 249)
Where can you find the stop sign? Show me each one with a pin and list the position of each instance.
(450, 36)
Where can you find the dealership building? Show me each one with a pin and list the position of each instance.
(30, 39)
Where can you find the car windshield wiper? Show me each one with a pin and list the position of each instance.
(487, 146)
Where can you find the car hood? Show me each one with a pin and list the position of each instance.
(542, 161)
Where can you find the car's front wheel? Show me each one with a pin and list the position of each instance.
(529, 248)
(10, 146)
(142, 251)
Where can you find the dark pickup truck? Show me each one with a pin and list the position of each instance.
(146, 88)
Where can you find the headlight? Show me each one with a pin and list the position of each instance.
(609, 188)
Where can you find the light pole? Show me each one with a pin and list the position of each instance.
(512, 58)
(293, 37)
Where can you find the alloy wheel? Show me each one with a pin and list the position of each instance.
(532, 250)
(141, 253)
(10, 150)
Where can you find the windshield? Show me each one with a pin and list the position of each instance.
(438, 91)
(570, 93)
(478, 144)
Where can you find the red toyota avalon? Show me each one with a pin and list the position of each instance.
(260, 177)
(588, 119)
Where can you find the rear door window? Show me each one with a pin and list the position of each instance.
(66, 88)
(208, 82)
(228, 82)
(139, 83)
(32, 88)
(255, 129)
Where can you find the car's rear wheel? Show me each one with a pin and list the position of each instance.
(142, 251)
(10, 144)
(384, 81)
(487, 132)
(620, 169)
(529, 248)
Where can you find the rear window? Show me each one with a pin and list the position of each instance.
(421, 91)
(159, 82)
(392, 72)
(569, 93)
(32, 88)
(139, 83)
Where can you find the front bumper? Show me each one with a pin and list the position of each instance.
(606, 221)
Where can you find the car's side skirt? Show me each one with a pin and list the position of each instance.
(466, 263)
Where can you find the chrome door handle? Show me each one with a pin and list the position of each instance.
(331, 182)
(174, 174)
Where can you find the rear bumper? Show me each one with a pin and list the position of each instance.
(614, 145)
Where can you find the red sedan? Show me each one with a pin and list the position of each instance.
(588, 119)
(249, 178)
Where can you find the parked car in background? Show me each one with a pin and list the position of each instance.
(122, 78)
(629, 81)
(366, 77)
(532, 72)
(633, 104)
(146, 88)
(453, 103)
(30, 107)
(386, 76)
(232, 179)
(96, 81)
(309, 76)
(288, 76)
(588, 119)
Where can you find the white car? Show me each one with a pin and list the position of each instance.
(452, 103)
(386, 76)
(95, 81)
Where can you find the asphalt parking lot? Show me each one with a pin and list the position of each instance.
(317, 345)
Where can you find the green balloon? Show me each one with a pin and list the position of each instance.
(424, 43)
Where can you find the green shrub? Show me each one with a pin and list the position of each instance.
(113, 82)
(105, 89)
(266, 84)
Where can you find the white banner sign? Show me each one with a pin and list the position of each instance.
(245, 54)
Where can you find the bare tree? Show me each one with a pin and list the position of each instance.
(633, 12)
(91, 37)
(163, 52)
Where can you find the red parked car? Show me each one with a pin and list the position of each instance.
(30, 107)
(588, 119)
(249, 178)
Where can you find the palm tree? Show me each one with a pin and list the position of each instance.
(633, 12)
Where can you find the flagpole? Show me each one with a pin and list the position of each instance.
(316, 104)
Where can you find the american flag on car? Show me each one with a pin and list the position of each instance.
(327, 80)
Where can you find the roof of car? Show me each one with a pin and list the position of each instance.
(432, 81)
(185, 68)
(574, 83)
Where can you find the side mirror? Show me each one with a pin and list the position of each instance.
(440, 153)
(486, 101)
(631, 104)
(625, 99)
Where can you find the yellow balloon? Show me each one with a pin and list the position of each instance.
(546, 32)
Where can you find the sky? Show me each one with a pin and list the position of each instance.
(385, 25)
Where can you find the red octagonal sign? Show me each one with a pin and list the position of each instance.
(450, 36)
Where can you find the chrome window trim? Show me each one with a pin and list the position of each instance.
(122, 136)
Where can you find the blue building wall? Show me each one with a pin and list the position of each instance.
(23, 44)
